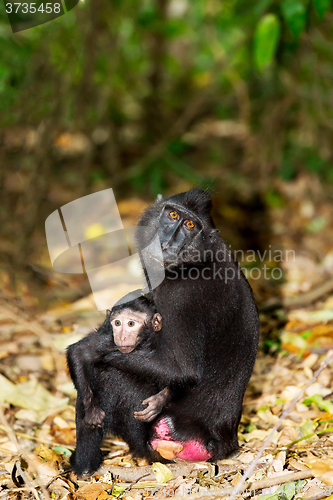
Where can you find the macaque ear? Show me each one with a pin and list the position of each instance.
(108, 313)
(157, 322)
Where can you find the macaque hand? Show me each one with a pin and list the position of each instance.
(155, 405)
(94, 416)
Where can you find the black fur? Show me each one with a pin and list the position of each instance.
(107, 396)
(205, 351)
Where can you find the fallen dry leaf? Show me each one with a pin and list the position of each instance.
(91, 491)
(46, 470)
(323, 469)
(30, 395)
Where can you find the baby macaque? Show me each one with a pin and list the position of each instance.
(130, 328)
(127, 327)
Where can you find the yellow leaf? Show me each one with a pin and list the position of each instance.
(162, 473)
(104, 496)
(30, 395)
(48, 455)
(323, 469)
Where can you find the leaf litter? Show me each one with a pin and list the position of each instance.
(37, 410)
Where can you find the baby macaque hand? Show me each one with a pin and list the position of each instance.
(94, 416)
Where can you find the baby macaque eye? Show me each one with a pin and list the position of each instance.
(117, 322)
(131, 323)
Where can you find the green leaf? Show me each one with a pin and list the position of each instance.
(307, 428)
(286, 492)
(320, 402)
(307, 334)
(294, 13)
(117, 490)
(322, 6)
(266, 38)
(250, 427)
(62, 450)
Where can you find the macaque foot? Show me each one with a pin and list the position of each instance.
(191, 450)
(94, 416)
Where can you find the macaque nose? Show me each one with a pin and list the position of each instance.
(169, 236)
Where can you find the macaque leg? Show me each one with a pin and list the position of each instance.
(88, 456)
(155, 405)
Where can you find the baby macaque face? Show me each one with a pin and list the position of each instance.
(127, 326)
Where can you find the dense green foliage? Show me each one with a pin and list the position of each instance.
(151, 70)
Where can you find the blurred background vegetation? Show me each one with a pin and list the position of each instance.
(155, 96)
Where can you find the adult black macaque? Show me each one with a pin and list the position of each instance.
(207, 346)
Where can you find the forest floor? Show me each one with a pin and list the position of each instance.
(37, 398)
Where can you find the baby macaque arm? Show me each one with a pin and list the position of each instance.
(81, 358)
(155, 405)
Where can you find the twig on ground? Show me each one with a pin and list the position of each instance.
(273, 481)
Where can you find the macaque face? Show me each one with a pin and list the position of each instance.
(126, 327)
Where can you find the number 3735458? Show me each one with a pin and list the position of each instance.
(31, 8)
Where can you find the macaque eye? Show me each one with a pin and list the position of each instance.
(189, 224)
(131, 323)
(173, 215)
(117, 322)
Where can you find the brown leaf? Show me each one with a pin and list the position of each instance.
(48, 455)
(287, 435)
(297, 465)
(323, 469)
(236, 479)
(45, 470)
(104, 496)
(92, 491)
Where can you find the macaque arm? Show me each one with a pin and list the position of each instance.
(81, 357)
(157, 365)
(155, 405)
